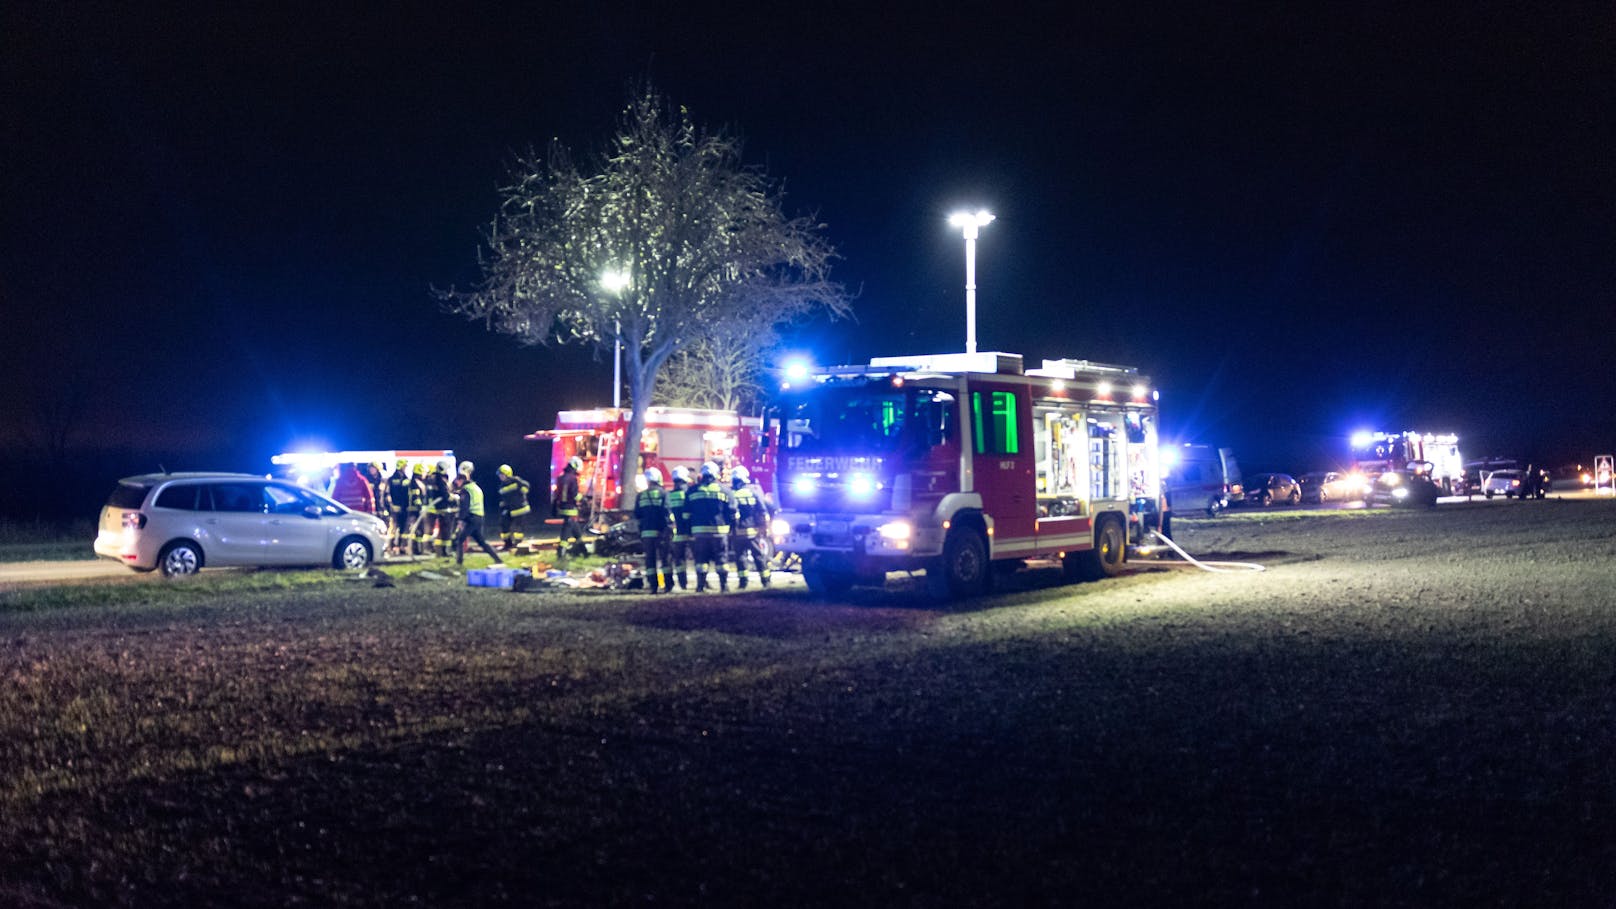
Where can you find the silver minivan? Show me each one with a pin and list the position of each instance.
(182, 522)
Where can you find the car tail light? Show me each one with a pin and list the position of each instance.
(134, 520)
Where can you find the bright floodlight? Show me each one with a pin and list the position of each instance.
(796, 370)
(969, 223)
(615, 280)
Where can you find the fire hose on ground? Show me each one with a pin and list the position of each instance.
(1212, 566)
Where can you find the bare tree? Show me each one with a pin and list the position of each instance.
(661, 239)
(721, 371)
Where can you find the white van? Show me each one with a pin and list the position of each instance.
(181, 522)
(1202, 477)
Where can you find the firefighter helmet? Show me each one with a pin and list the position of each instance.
(505, 470)
(709, 470)
(402, 464)
(466, 467)
(681, 475)
(741, 473)
(653, 476)
(419, 468)
(576, 463)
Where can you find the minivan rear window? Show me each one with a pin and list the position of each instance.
(128, 495)
(182, 497)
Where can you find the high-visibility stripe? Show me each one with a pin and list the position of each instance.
(708, 528)
(568, 512)
(521, 511)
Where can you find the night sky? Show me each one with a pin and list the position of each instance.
(222, 227)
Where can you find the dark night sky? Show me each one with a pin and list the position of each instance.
(1300, 221)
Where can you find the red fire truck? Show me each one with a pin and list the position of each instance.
(961, 463)
(673, 437)
(1433, 454)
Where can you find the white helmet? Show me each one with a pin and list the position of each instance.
(709, 469)
(653, 476)
(576, 463)
(466, 467)
(681, 475)
(741, 473)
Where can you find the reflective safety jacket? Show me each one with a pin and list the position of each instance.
(752, 511)
(708, 505)
(566, 494)
(513, 496)
(471, 500)
(651, 511)
(681, 518)
(417, 495)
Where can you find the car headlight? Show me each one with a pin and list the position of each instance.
(1400, 492)
(780, 528)
(803, 485)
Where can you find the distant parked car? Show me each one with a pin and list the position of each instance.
(1405, 487)
(1532, 483)
(1331, 486)
(181, 522)
(1268, 488)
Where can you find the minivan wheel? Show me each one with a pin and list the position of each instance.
(353, 553)
(180, 559)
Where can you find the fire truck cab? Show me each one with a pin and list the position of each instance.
(673, 437)
(960, 463)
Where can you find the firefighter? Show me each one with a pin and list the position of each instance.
(417, 512)
(513, 508)
(470, 525)
(752, 517)
(711, 514)
(655, 520)
(566, 507)
(679, 546)
(438, 514)
(398, 504)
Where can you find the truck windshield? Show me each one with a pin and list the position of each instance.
(868, 420)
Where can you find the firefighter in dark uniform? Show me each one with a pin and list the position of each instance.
(656, 522)
(679, 546)
(417, 511)
(752, 516)
(711, 514)
(565, 503)
(513, 508)
(398, 504)
(470, 525)
(438, 514)
(378, 488)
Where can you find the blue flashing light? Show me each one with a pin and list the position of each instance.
(803, 485)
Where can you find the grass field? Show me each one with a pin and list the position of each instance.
(1408, 708)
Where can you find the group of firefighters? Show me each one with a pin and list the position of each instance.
(427, 511)
(706, 522)
(698, 522)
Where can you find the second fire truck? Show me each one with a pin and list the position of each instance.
(961, 463)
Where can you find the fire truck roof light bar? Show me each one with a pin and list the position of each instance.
(1069, 369)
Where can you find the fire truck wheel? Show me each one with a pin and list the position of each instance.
(963, 569)
(1104, 560)
(822, 583)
